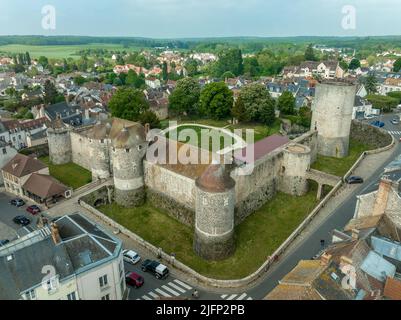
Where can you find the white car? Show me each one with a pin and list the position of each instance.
(131, 256)
(369, 116)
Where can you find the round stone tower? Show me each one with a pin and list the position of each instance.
(214, 221)
(296, 163)
(99, 151)
(59, 140)
(129, 149)
(332, 116)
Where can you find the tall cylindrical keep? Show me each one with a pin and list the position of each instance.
(59, 140)
(296, 163)
(100, 159)
(332, 116)
(129, 149)
(214, 221)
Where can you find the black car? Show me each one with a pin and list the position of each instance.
(354, 180)
(4, 242)
(156, 268)
(17, 202)
(21, 220)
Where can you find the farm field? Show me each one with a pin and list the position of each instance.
(58, 52)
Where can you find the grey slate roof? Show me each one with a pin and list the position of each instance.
(83, 246)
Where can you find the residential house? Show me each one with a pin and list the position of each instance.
(70, 114)
(153, 83)
(7, 152)
(15, 132)
(83, 262)
(29, 178)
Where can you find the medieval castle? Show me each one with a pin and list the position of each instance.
(211, 198)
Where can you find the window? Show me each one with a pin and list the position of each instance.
(106, 297)
(72, 296)
(103, 281)
(52, 284)
(30, 295)
(4, 151)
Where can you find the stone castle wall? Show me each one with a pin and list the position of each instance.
(80, 150)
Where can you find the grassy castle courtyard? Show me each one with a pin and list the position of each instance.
(256, 238)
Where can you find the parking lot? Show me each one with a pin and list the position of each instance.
(9, 212)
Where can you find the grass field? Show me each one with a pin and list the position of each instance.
(69, 174)
(58, 52)
(340, 167)
(256, 238)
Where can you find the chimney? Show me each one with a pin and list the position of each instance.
(382, 195)
(355, 234)
(55, 233)
(325, 259)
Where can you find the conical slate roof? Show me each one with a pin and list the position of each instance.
(130, 137)
(216, 178)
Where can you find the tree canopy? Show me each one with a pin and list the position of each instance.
(185, 97)
(216, 101)
(286, 103)
(128, 103)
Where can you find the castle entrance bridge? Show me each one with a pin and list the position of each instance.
(322, 179)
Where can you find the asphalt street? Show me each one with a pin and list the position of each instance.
(311, 245)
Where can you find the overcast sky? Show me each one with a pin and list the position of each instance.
(201, 18)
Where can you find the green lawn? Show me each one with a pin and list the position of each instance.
(256, 238)
(340, 166)
(69, 174)
(58, 52)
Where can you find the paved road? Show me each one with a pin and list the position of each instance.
(173, 287)
(8, 212)
(310, 246)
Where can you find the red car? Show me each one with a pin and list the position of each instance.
(133, 279)
(33, 209)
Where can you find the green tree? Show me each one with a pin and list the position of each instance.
(370, 83)
(28, 59)
(239, 111)
(216, 100)
(286, 103)
(384, 103)
(228, 75)
(229, 60)
(397, 65)
(18, 68)
(257, 101)
(251, 67)
(185, 97)
(149, 117)
(165, 71)
(310, 53)
(50, 94)
(43, 61)
(354, 64)
(79, 80)
(129, 104)
(191, 65)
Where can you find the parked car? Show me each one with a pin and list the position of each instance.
(377, 123)
(159, 270)
(17, 202)
(395, 121)
(354, 180)
(369, 116)
(131, 256)
(4, 242)
(34, 209)
(21, 220)
(134, 280)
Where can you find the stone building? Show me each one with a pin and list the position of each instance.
(332, 116)
(208, 197)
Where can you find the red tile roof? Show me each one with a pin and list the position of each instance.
(22, 165)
